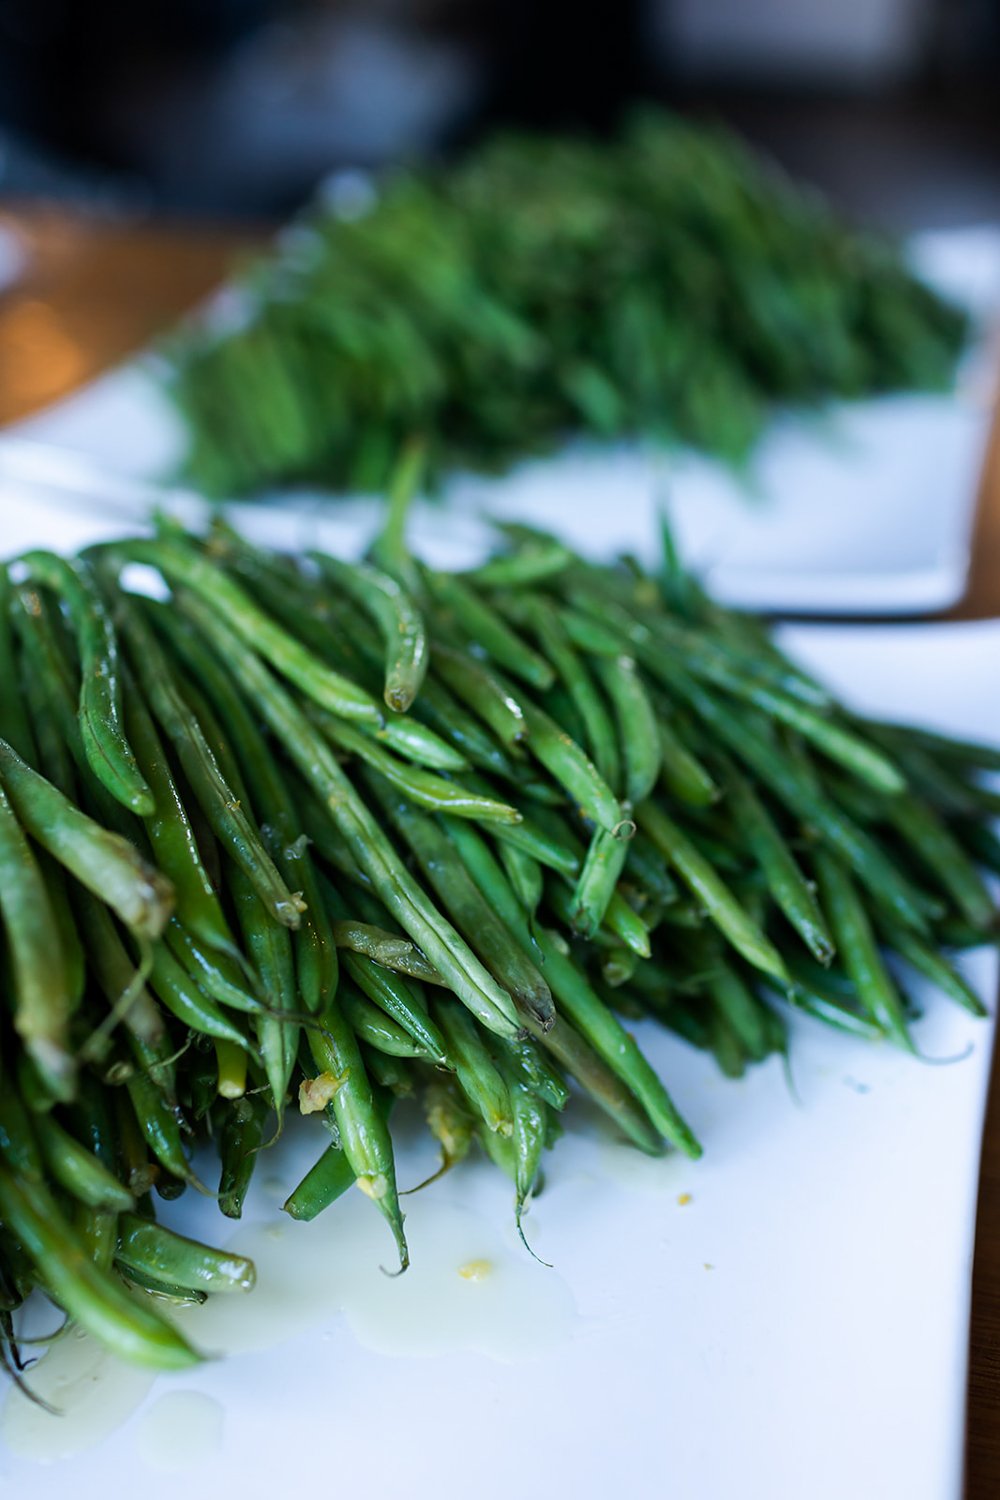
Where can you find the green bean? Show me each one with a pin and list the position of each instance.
(943, 856)
(119, 978)
(449, 1121)
(165, 1256)
(618, 967)
(159, 1124)
(100, 709)
(719, 902)
(834, 1011)
(41, 1000)
(535, 1071)
(600, 874)
(480, 689)
(589, 634)
(622, 925)
(231, 1068)
(684, 776)
(269, 947)
(322, 1185)
(397, 616)
(475, 1070)
(77, 1170)
(216, 973)
(743, 1011)
(856, 944)
(524, 874)
(568, 765)
(483, 626)
(422, 787)
(542, 558)
(787, 884)
(346, 650)
(102, 861)
(645, 863)
(241, 1135)
(193, 1008)
(755, 680)
(368, 844)
(171, 836)
(638, 732)
(235, 739)
(375, 1029)
(543, 619)
(944, 747)
(13, 719)
(385, 948)
(364, 1134)
(95, 1300)
(389, 548)
(529, 838)
(931, 965)
(396, 998)
(529, 1130)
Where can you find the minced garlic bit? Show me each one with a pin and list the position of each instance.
(683, 1199)
(316, 1093)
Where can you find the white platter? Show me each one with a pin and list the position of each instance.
(866, 508)
(798, 1328)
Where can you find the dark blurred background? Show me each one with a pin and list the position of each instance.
(233, 109)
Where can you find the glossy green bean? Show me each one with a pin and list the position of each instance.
(102, 861)
(638, 731)
(100, 708)
(858, 948)
(398, 617)
(168, 1257)
(420, 786)
(786, 882)
(719, 902)
(42, 1003)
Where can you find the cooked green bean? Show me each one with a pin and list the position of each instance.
(858, 949)
(41, 999)
(101, 720)
(169, 1257)
(102, 861)
(397, 616)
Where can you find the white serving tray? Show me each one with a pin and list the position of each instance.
(864, 508)
(798, 1328)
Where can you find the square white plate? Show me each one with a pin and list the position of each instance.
(798, 1328)
(864, 508)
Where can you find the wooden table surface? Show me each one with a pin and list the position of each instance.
(94, 292)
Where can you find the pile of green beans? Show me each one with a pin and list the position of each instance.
(305, 834)
(667, 285)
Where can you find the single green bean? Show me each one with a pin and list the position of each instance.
(397, 616)
(100, 709)
(163, 1255)
(42, 1002)
(858, 949)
